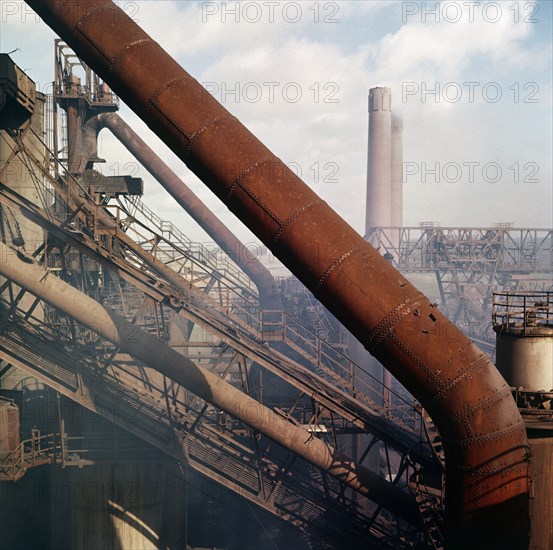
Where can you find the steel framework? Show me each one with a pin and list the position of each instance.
(470, 263)
(117, 252)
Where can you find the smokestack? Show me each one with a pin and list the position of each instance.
(397, 171)
(379, 159)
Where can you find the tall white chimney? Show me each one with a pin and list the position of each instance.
(396, 202)
(379, 160)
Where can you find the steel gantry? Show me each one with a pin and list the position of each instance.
(116, 251)
(470, 263)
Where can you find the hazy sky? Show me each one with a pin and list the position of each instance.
(474, 89)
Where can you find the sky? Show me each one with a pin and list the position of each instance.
(472, 81)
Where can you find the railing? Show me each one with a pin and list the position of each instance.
(271, 326)
(246, 320)
(78, 451)
(302, 302)
(244, 317)
(38, 450)
(213, 446)
(342, 371)
(522, 311)
(249, 321)
(68, 85)
(214, 259)
(252, 326)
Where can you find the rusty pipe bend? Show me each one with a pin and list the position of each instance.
(485, 442)
(269, 296)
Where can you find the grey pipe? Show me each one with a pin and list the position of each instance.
(268, 295)
(202, 383)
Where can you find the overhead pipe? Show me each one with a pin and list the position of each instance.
(203, 383)
(131, 274)
(107, 222)
(185, 197)
(80, 202)
(484, 437)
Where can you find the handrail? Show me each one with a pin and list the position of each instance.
(522, 311)
(150, 404)
(276, 325)
(35, 451)
(198, 251)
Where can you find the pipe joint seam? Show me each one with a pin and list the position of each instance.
(116, 57)
(291, 219)
(93, 10)
(194, 136)
(160, 89)
(324, 277)
(90, 10)
(391, 319)
(475, 366)
(481, 439)
(481, 472)
(238, 183)
(431, 375)
(469, 411)
(171, 120)
(245, 172)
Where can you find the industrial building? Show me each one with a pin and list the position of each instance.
(156, 393)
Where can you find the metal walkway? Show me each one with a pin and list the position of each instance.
(197, 435)
(223, 330)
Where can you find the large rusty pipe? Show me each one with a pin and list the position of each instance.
(148, 349)
(185, 197)
(484, 437)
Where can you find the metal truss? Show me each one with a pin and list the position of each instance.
(213, 318)
(350, 393)
(97, 377)
(470, 263)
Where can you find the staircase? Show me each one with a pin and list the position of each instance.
(434, 438)
(190, 431)
(174, 247)
(432, 519)
(429, 488)
(230, 307)
(344, 389)
(36, 451)
(98, 377)
(360, 409)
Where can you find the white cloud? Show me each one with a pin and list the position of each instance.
(367, 46)
(22, 30)
(437, 50)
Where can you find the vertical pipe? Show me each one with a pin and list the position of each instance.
(74, 139)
